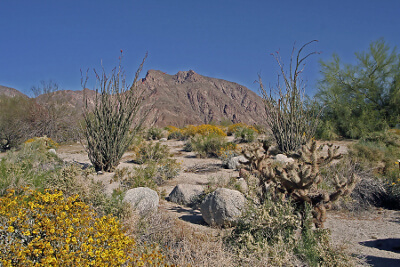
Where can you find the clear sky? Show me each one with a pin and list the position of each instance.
(227, 39)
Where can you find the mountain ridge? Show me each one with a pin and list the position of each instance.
(183, 98)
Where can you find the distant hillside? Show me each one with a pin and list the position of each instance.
(190, 98)
(178, 100)
(8, 91)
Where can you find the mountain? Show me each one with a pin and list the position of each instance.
(8, 91)
(178, 100)
(190, 98)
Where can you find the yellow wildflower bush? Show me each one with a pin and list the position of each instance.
(204, 129)
(48, 229)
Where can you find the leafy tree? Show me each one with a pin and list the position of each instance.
(363, 97)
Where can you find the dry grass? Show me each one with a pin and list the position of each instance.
(182, 244)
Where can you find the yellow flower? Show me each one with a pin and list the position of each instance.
(11, 229)
(27, 232)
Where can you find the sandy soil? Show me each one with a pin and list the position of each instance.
(374, 235)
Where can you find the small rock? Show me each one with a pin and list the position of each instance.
(235, 162)
(242, 185)
(100, 173)
(283, 159)
(52, 151)
(143, 200)
(186, 194)
(163, 139)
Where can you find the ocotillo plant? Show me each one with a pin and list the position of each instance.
(108, 124)
(292, 123)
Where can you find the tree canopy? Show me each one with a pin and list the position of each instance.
(363, 97)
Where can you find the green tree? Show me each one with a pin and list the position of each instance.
(363, 97)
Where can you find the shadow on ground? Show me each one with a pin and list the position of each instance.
(189, 215)
(389, 244)
(382, 262)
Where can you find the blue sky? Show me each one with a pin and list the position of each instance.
(227, 39)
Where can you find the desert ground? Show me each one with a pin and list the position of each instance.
(372, 234)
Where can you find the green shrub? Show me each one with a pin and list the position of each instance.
(377, 148)
(274, 234)
(207, 145)
(154, 133)
(245, 135)
(151, 152)
(143, 176)
(31, 165)
(34, 166)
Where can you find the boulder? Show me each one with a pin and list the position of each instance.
(235, 162)
(142, 199)
(222, 207)
(186, 194)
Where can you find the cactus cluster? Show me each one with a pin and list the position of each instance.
(299, 179)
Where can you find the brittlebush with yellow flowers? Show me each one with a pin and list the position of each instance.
(48, 229)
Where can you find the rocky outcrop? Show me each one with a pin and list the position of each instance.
(190, 98)
(10, 92)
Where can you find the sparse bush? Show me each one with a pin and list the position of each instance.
(137, 177)
(154, 133)
(272, 234)
(151, 175)
(16, 118)
(151, 152)
(379, 150)
(183, 244)
(50, 229)
(108, 124)
(174, 133)
(207, 145)
(31, 165)
(245, 135)
(226, 154)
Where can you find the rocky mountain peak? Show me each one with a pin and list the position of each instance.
(187, 76)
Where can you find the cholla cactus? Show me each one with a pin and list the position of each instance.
(299, 179)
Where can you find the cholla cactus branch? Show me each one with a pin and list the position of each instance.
(299, 180)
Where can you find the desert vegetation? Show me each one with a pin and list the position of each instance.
(277, 182)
